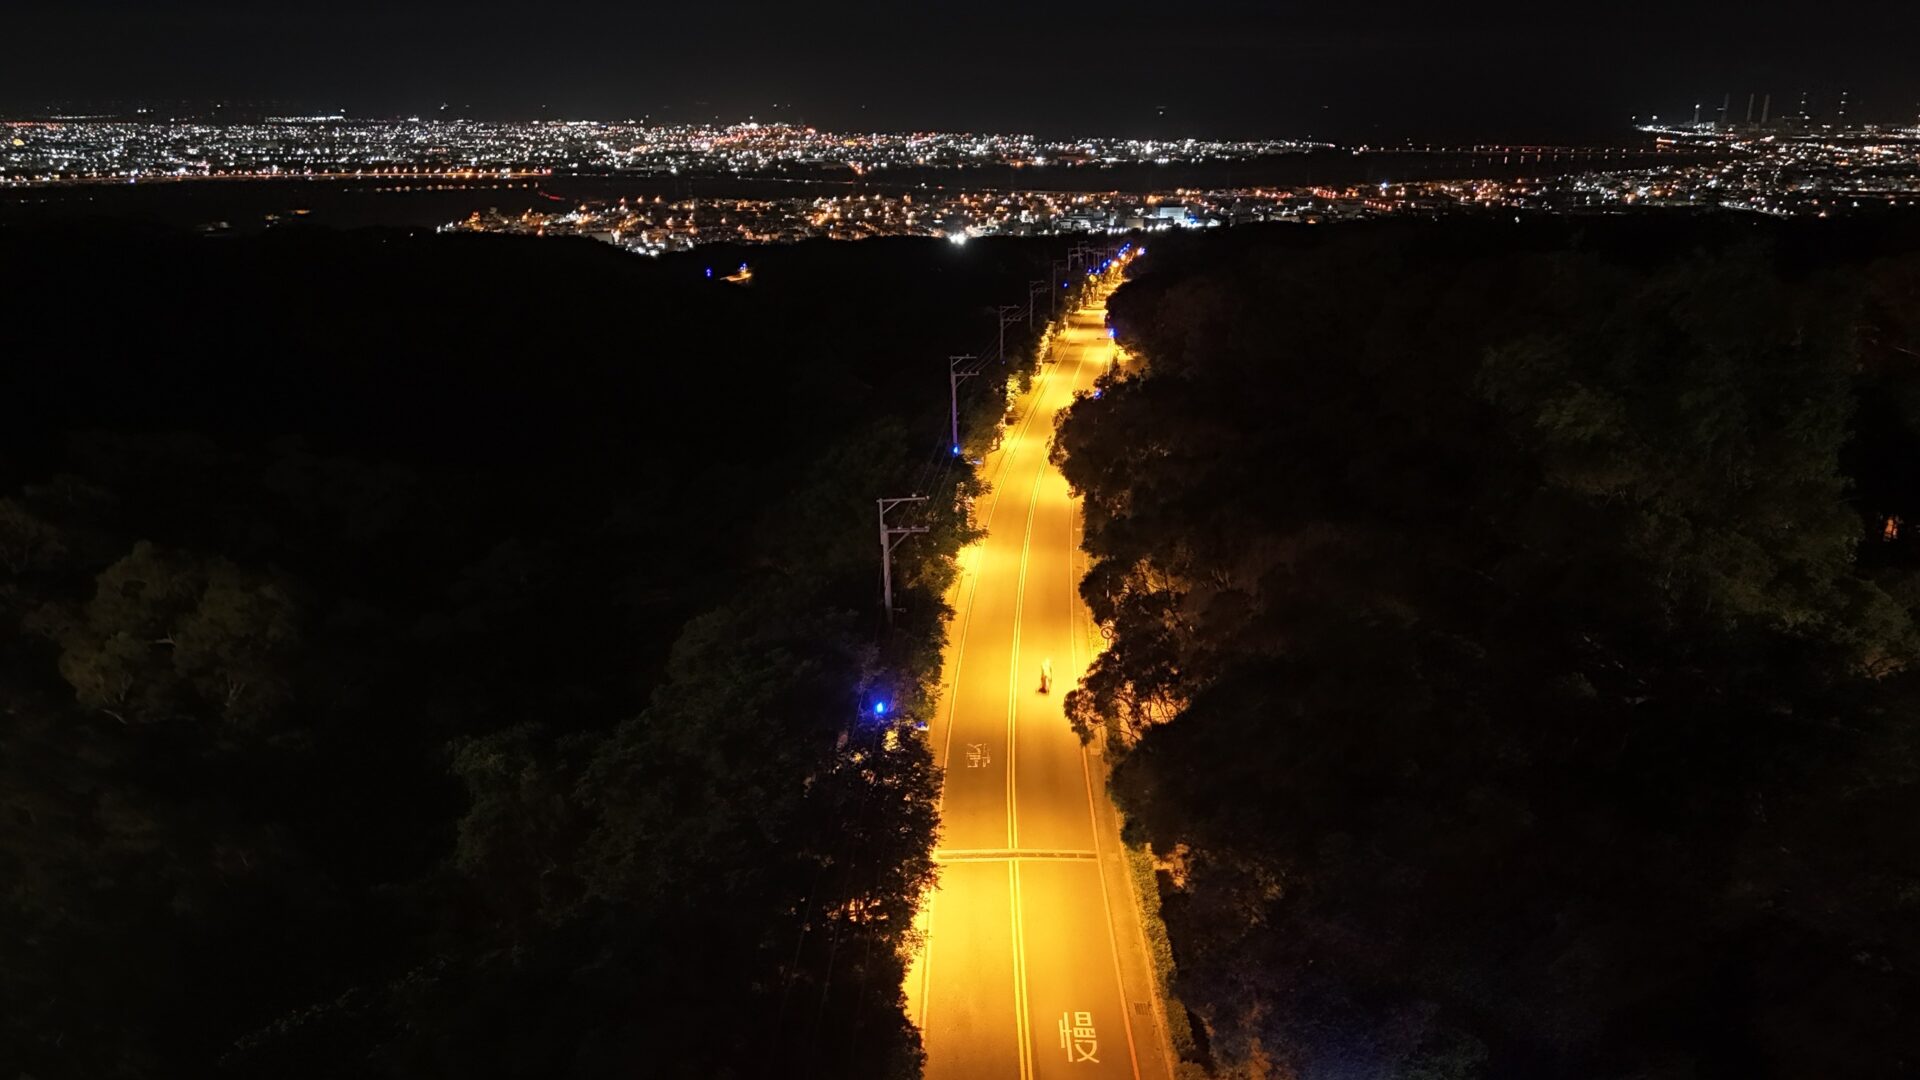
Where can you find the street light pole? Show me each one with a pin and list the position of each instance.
(954, 375)
(889, 537)
(1084, 252)
(1006, 312)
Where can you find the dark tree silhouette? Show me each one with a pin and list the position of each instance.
(1504, 656)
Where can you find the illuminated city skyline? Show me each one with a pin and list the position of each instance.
(983, 184)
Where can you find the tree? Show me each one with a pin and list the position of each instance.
(169, 637)
(1507, 604)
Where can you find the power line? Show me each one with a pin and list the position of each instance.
(890, 537)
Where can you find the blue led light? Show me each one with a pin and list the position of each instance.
(709, 271)
(879, 708)
(956, 451)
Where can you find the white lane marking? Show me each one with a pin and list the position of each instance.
(1093, 813)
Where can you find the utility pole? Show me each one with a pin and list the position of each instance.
(890, 536)
(1060, 270)
(1007, 315)
(954, 375)
(1034, 288)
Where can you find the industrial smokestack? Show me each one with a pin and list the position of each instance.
(1766, 110)
(1750, 110)
(1726, 109)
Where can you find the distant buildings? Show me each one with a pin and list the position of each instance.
(656, 225)
(1816, 177)
(1753, 162)
(57, 151)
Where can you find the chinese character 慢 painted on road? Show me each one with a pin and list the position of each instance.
(977, 755)
(1077, 1039)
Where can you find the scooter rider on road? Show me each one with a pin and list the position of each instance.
(1046, 674)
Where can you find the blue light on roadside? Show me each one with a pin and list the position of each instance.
(956, 451)
(879, 708)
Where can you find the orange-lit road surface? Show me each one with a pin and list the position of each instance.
(1034, 963)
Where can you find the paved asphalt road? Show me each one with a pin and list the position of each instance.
(1034, 963)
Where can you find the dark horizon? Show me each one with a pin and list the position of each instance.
(1389, 73)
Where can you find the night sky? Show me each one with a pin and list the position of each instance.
(1379, 71)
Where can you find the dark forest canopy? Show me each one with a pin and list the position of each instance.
(442, 656)
(1515, 641)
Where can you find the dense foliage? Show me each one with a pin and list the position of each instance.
(446, 656)
(1514, 639)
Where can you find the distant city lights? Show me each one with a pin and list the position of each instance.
(71, 149)
(1784, 169)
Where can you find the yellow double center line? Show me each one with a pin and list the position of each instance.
(946, 755)
(1020, 1007)
(1022, 1010)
